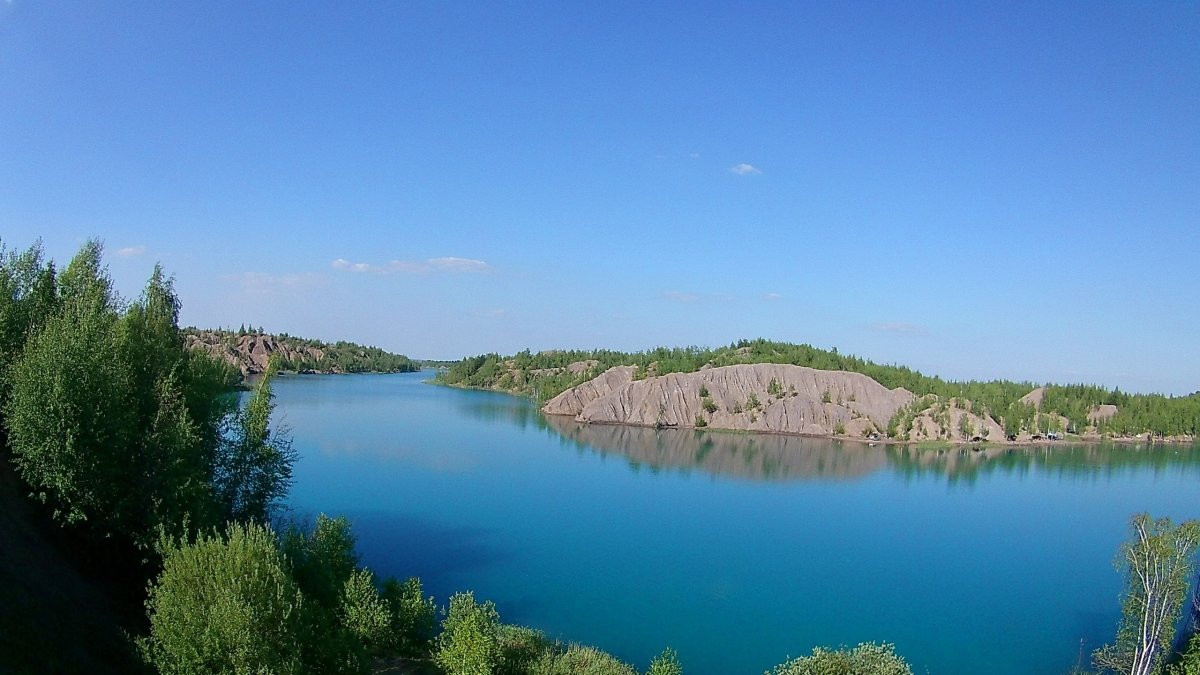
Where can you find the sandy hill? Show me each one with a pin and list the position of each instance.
(250, 352)
(751, 397)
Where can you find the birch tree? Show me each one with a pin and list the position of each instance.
(1158, 562)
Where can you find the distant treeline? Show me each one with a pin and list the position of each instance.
(544, 375)
(300, 355)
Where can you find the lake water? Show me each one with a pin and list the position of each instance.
(737, 550)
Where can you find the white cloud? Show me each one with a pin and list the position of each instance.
(773, 296)
(131, 251)
(343, 264)
(901, 327)
(745, 169)
(458, 264)
(449, 264)
(678, 296)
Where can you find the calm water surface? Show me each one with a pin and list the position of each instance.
(737, 550)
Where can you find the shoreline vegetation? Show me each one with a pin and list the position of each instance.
(774, 387)
(144, 499)
(250, 350)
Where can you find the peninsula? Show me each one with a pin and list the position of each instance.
(764, 386)
(249, 350)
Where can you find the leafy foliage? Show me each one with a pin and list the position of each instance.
(225, 604)
(413, 617)
(580, 660)
(469, 643)
(112, 422)
(865, 659)
(1158, 561)
(666, 663)
(253, 472)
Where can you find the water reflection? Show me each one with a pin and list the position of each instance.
(517, 410)
(1100, 460)
(777, 457)
(761, 457)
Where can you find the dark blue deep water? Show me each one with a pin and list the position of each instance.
(737, 550)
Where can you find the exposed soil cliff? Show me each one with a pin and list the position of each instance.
(250, 353)
(752, 397)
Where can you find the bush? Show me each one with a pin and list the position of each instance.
(866, 659)
(414, 617)
(701, 422)
(580, 660)
(322, 560)
(775, 388)
(710, 406)
(225, 604)
(521, 648)
(666, 663)
(365, 614)
(469, 643)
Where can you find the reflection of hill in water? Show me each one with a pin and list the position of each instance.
(966, 463)
(765, 457)
(780, 457)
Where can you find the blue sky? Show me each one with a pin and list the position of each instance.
(973, 189)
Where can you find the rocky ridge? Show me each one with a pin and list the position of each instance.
(750, 397)
(250, 353)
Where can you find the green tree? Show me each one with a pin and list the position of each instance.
(69, 416)
(1189, 661)
(414, 616)
(865, 659)
(253, 471)
(774, 388)
(1158, 562)
(365, 614)
(28, 297)
(469, 643)
(225, 604)
(113, 423)
(322, 560)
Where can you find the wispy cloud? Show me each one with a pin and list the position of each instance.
(131, 251)
(772, 296)
(260, 283)
(901, 327)
(679, 296)
(745, 169)
(449, 264)
(458, 264)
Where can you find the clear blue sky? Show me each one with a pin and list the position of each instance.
(1000, 189)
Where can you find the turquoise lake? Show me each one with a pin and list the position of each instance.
(737, 550)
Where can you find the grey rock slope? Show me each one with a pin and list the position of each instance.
(758, 397)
